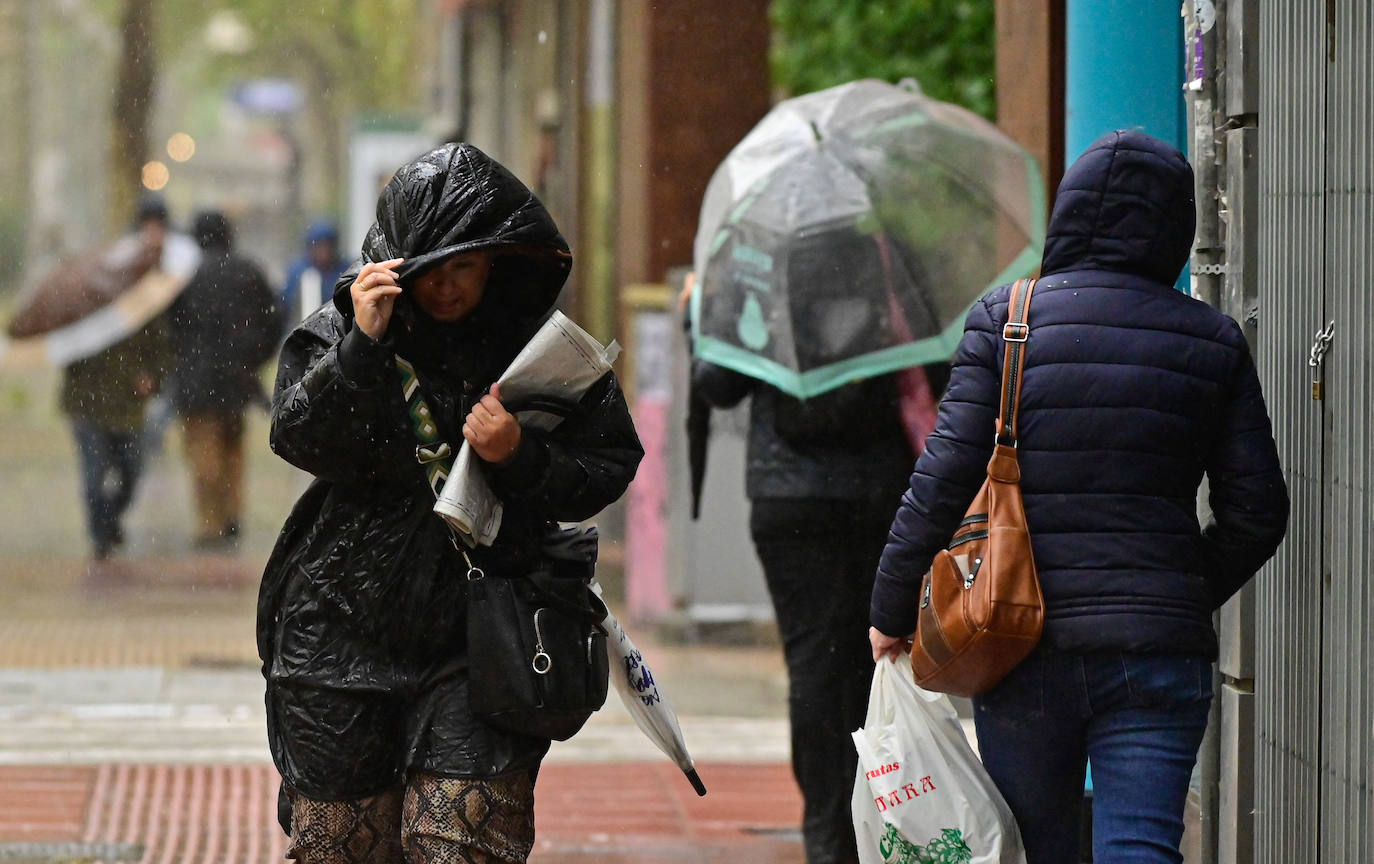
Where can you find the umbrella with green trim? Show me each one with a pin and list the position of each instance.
(849, 233)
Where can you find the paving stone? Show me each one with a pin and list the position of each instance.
(640, 812)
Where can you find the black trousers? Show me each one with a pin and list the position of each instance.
(819, 557)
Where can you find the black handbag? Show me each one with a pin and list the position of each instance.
(537, 661)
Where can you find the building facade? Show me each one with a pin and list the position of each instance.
(1280, 116)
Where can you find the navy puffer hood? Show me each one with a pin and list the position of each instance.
(1126, 205)
(457, 199)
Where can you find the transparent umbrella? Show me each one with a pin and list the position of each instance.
(847, 235)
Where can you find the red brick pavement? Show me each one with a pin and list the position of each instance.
(43, 803)
(176, 814)
(636, 813)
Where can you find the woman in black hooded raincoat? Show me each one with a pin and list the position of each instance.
(361, 615)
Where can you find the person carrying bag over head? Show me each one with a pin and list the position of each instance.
(363, 615)
(1131, 393)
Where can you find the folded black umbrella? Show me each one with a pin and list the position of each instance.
(698, 436)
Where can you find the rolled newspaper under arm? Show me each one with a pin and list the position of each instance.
(560, 362)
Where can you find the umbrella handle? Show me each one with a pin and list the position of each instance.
(695, 780)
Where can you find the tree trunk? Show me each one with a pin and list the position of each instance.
(16, 57)
(324, 112)
(136, 75)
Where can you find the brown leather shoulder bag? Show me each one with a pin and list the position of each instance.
(981, 608)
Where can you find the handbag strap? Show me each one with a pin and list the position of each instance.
(1014, 333)
(433, 452)
(436, 456)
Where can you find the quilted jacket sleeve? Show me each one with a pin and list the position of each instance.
(337, 410)
(1248, 496)
(946, 477)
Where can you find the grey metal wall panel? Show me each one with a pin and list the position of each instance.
(1236, 642)
(1291, 224)
(1347, 692)
(1242, 57)
(1242, 206)
(1314, 714)
(1237, 798)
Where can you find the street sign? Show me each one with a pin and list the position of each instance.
(269, 96)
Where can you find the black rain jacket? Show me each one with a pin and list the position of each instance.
(1132, 392)
(223, 327)
(364, 591)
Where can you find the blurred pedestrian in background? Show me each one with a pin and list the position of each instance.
(1132, 392)
(310, 278)
(105, 396)
(822, 477)
(223, 327)
(361, 618)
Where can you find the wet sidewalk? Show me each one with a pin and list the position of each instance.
(132, 729)
(131, 718)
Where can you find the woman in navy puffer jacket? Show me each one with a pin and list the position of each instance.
(1132, 392)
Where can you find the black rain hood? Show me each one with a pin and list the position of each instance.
(1126, 205)
(457, 199)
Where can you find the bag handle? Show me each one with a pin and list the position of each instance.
(542, 585)
(554, 405)
(1014, 334)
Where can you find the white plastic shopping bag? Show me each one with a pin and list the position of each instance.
(921, 795)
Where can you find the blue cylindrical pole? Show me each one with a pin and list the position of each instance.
(1124, 62)
(1124, 70)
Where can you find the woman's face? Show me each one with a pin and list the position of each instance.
(447, 292)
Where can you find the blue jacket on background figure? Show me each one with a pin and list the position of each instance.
(1132, 392)
(310, 277)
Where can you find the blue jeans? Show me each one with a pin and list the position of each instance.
(1140, 719)
(110, 464)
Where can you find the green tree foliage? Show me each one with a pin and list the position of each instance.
(347, 55)
(946, 45)
(360, 51)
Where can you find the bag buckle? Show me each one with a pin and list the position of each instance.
(425, 455)
(1022, 331)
